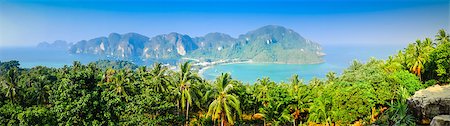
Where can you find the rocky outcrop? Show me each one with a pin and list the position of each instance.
(441, 120)
(167, 46)
(269, 44)
(430, 102)
(121, 46)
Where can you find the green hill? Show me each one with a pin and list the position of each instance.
(273, 44)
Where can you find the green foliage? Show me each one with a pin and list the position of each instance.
(352, 103)
(86, 95)
(186, 79)
(9, 114)
(430, 83)
(427, 59)
(407, 80)
(226, 104)
(89, 95)
(372, 73)
(36, 116)
(118, 64)
(397, 114)
(442, 37)
(10, 84)
(440, 62)
(5, 66)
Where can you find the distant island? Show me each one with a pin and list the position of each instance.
(60, 44)
(268, 44)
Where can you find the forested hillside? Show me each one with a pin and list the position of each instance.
(374, 92)
(271, 43)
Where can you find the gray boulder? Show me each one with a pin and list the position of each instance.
(430, 102)
(441, 120)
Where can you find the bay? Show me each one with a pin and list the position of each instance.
(337, 59)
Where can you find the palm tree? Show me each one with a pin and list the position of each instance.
(428, 44)
(186, 78)
(299, 94)
(221, 107)
(159, 78)
(394, 63)
(142, 73)
(442, 37)
(262, 90)
(116, 82)
(40, 88)
(401, 57)
(319, 111)
(11, 83)
(331, 77)
(417, 57)
(109, 74)
(295, 83)
(315, 82)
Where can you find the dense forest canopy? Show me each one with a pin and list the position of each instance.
(374, 92)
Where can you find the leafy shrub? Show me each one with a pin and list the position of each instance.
(430, 83)
(407, 80)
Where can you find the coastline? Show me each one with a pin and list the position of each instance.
(202, 69)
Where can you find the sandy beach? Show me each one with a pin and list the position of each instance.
(203, 69)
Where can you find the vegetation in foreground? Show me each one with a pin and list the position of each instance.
(366, 93)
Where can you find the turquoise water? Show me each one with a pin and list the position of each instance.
(30, 56)
(276, 72)
(337, 59)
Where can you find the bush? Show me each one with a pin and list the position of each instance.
(407, 80)
(430, 83)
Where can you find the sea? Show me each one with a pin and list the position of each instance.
(29, 57)
(337, 58)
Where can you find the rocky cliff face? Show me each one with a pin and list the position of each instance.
(173, 45)
(122, 46)
(267, 44)
(215, 41)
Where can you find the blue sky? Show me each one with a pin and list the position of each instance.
(331, 22)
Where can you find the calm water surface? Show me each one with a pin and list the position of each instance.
(337, 59)
(30, 56)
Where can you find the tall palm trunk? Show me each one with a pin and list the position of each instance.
(11, 96)
(178, 107)
(222, 117)
(187, 112)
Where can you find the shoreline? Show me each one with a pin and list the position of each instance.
(201, 69)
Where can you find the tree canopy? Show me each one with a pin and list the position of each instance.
(373, 92)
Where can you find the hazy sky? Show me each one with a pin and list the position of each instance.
(26, 23)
